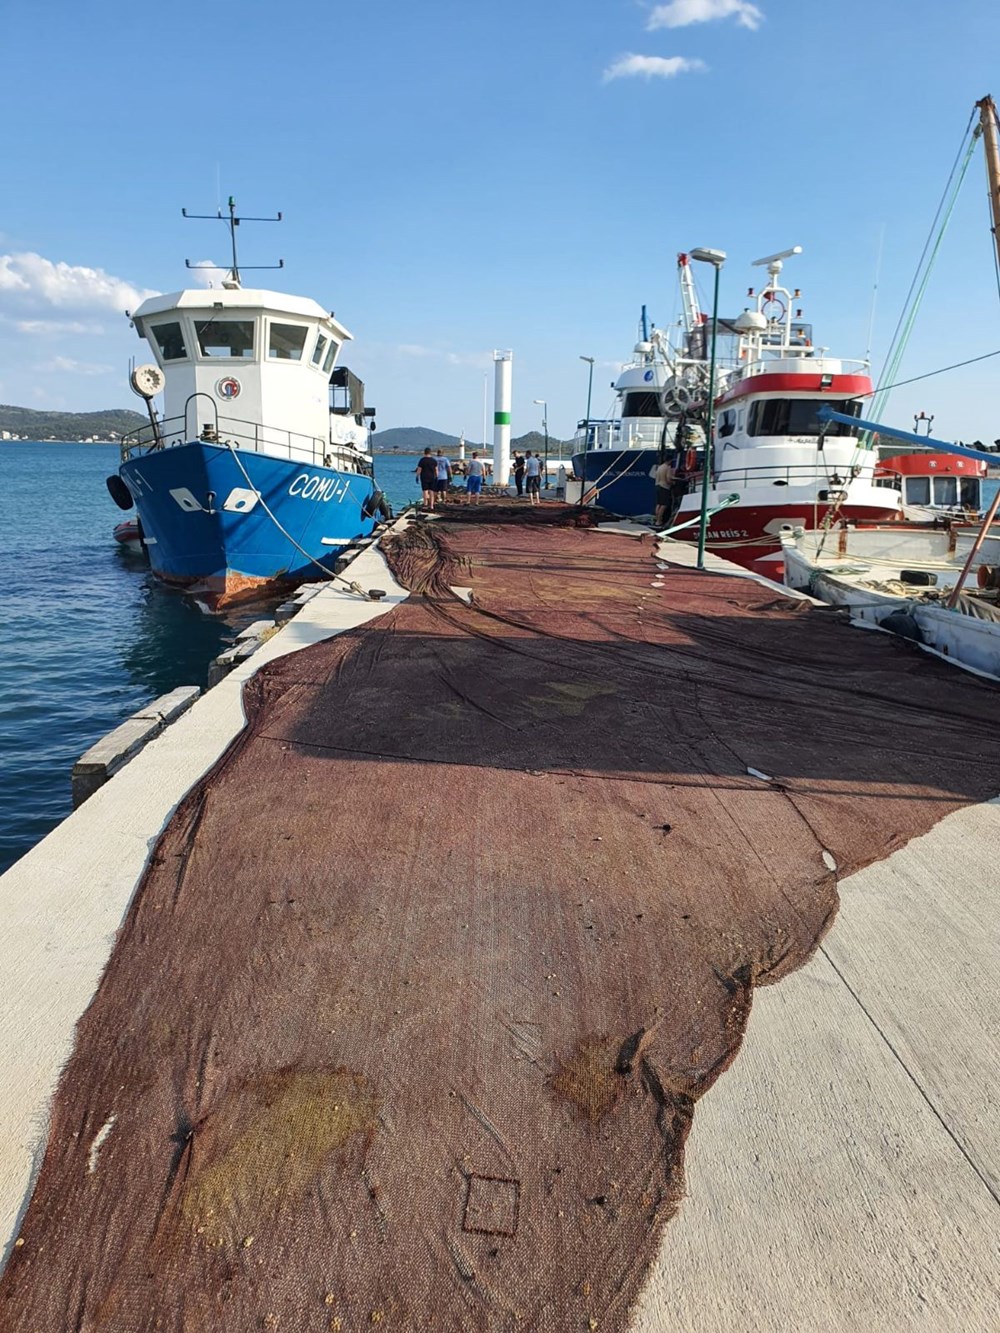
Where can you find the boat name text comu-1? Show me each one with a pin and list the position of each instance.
(312, 487)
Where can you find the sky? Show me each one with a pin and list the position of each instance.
(459, 176)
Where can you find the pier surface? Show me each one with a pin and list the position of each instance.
(412, 1015)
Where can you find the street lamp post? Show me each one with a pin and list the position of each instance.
(590, 385)
(716, 258)
(545, 427)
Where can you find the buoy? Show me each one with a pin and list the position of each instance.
(119, 492)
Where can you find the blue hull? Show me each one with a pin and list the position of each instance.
(622, 478)
(207, 525)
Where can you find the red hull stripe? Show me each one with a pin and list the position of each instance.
(842, 386)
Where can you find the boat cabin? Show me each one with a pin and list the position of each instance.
(933, 485)
(255, 367)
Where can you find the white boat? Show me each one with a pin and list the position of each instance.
(903, 577)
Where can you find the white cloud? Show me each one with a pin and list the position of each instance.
(682, 13)
(206, 272)
(651, 67)
(478, 359)
(64, 365)
(55, 328)
(31, 282)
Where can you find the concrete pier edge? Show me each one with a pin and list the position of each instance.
(61, 904)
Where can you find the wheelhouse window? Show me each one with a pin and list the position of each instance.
(170, 341)
(798, 416)
(319, 349)
(230, 339)
(970, 495)
(918, 490)
(641, 405)
(286, 342)
(727, 423)
(331, 356)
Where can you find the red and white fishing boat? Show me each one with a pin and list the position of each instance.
(785, 466)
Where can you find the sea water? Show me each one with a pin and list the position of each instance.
(88, 635)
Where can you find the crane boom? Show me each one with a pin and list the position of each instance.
(988, 128)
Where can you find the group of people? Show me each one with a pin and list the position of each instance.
(435, 472)
(527, 473)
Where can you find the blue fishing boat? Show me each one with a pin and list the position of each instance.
(259, 470)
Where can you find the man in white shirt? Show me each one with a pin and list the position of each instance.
(474, 479)
(533, 476)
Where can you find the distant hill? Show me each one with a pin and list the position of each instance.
(415, 439)
(27, 424)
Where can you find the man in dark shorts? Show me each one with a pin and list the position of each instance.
(664, 480)
(519, 473)
(443, 476)
(533, 476)
(426, 470)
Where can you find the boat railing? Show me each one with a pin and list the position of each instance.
(253, 436)
(767, 365)
(788, 474)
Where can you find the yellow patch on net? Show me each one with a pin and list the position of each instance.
(565, 698)
(267, 1143)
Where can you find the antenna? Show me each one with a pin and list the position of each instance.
(776, 259)
(233, 223)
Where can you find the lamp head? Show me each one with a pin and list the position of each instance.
(704, 256)
(590, 359)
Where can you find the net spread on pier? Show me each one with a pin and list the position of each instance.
(409, 1018)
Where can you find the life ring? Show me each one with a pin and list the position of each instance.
(774, 301)
(691, 460)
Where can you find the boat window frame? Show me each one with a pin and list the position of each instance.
(286, 323)
(943, 479)
(157, 346)
(909, 484)
(319, 350)
(215, 320)
(331, 355)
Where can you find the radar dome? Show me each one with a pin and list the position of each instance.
(751, 321)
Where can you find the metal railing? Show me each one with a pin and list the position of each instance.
(791, 474)
(252, 436)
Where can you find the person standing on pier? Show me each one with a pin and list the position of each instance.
(519, 473)
(443, 475)
(426, 470)
(474, 479)
(533, 473)
(664, 480)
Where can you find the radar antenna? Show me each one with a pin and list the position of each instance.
(233, 222)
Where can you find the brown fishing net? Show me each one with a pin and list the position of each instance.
(409, 1018)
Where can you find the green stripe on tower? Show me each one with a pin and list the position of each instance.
(501, 418)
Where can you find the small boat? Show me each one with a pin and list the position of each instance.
(128, 535)
(260, 470)
(939, 586)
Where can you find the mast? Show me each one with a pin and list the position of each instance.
(693, 317)
(988, 127)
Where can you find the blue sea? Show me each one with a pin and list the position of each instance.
(89, 637)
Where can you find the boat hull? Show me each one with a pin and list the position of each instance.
(230, 525)
(747, 532)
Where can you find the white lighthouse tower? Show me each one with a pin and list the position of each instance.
(503, 365)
